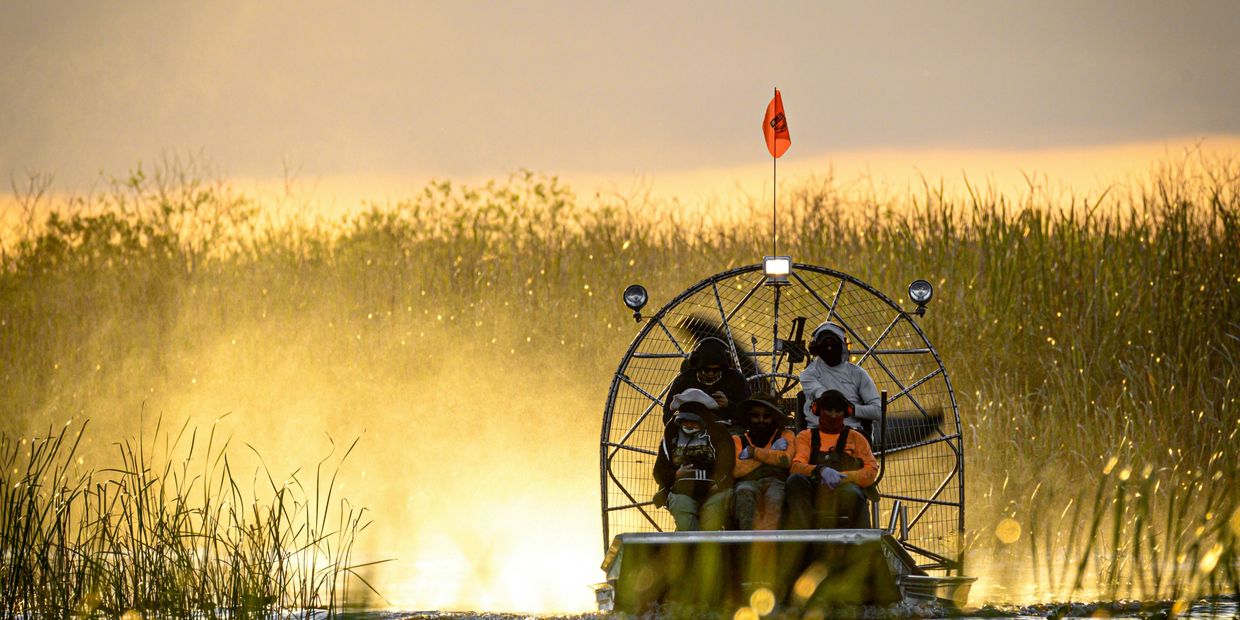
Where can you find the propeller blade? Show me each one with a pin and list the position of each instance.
(699, 328)
(909, 428)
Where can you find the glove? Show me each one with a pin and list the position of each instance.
(660, 498)
(780, 444)
(746, 454)
(830, 477)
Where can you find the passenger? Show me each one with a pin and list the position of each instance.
(710, 369)
(831, 370)
(764, 456)
(831, 471)
(694, 465)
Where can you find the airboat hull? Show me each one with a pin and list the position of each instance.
(800, 568)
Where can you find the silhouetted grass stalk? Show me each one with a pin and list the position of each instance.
(160, 536)
(1077, 329)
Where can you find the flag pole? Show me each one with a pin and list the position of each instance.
(774, 198)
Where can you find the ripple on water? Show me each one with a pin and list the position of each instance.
(1216, 608)
(1220, 607)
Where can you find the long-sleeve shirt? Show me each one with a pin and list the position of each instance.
(719, 443)
(851, 380)
(856, 445)
(764, 455)
(732, 384)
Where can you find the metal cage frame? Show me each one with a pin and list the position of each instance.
(616, 495)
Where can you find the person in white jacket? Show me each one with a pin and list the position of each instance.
(831, 370)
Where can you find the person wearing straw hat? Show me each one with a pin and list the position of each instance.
(764, 452)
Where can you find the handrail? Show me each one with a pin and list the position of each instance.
(882, 436)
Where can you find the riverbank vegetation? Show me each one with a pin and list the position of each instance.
(1093, 341)
(170, 529)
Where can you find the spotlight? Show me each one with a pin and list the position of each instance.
(635, 298)
(920, 291)
(776, 269)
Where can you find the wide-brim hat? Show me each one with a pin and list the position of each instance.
(694, 405)
(763, 400)
(694, 396)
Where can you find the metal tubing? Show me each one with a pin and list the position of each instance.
(894, 521)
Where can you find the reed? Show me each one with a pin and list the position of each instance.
(167, 530)
(1147, 535)
(1078, 329)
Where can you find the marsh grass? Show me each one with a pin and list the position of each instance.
(1165, 534)
(1079, 331)
(168, 530)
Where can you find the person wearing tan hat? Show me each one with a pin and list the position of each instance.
(694, 464)
(764, 452)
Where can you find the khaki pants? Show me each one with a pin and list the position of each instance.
(692, 515)
(758, 504)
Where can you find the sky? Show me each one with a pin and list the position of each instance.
(410, 90)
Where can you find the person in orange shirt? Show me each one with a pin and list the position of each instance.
(763, 455)
(830, 468)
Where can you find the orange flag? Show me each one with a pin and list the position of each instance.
(775, 127)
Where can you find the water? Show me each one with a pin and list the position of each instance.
(1221, 607)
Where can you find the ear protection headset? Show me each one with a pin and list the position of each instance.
(848, 414)
(817, 347)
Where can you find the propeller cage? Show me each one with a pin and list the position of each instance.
(765, 328)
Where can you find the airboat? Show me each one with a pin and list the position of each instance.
(914, 553)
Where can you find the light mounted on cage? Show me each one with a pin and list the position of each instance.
(920, 291)
(776, 269)
(635, 297)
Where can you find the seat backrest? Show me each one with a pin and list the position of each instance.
(798, 418)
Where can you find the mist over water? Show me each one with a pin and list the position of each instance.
(479, 469)
(477, 416)
(467, 336)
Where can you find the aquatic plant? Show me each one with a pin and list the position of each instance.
(167, 530)
(1078, 329)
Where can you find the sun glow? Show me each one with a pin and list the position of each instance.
(514, 555)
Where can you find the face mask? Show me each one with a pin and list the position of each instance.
(710, 376)
(832, 352)
(828, 423)
(696, 433)
(761, 432)
(831, 424)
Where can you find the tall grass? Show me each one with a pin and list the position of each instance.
(167, 530)
(1079, 331)
(1153, 534)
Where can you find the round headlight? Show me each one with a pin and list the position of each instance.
(920, 292)
(635, 297)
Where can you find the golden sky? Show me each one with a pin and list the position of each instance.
(641, 90)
